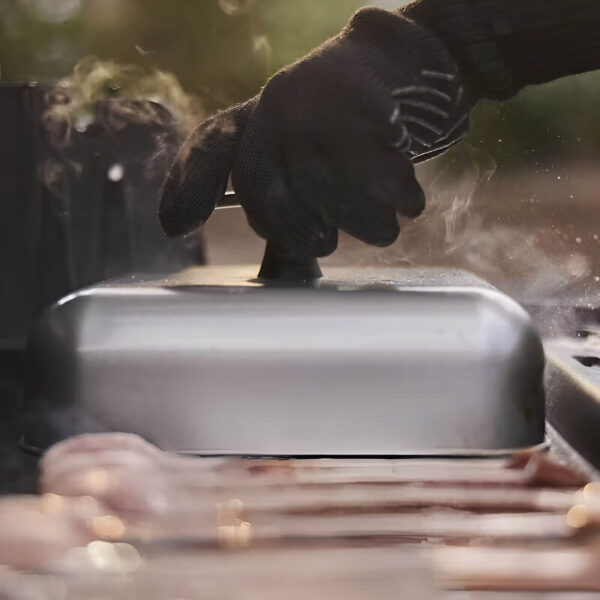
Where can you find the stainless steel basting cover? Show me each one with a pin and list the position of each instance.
(393, 362)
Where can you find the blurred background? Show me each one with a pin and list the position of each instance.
(120, 83)
(517, 202)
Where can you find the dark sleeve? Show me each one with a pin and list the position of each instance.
(503, 45)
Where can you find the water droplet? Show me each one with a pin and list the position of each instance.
(116, 172)
(578, 240)
(578, 265)
(82, 122)
(57, 11)
(234, 7)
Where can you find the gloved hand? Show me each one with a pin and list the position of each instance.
(329, 143)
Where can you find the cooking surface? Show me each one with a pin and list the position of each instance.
(177, 527)
(341, 529)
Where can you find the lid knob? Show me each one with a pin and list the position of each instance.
(279, 265)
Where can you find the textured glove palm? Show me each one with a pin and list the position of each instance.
(329, 143)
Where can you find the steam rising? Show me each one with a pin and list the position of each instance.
(261, 47)
(235, 7)
(441, 232)
(519, 258)
(452, 191)
(467, 226)
(56, 11)
(73, 102)
(112, 132)
(101, 99)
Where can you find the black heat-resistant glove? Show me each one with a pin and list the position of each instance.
(329, 143)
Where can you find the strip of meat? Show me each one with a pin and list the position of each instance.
(37, 530)
(66, 468)
(134, 487)
(435, 524)
(531, 468)
(394, 498)
(124, 486)
(268, 574)
(509, 569)
(406, 527)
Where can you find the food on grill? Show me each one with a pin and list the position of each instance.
(181, 502)
(100, 463)
(117, 572)
(122, 480)
(129, 452)
(36, 530)
(95, 443)
(541, 470)
(133, 477)
(571, 569)
(400, 498)
(432, 525)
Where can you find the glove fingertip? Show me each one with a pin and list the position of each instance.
(411, 199)
(184, 208)
(388, 237)
(198, 177)
(191, 191)
(193, 187)
(413, 203)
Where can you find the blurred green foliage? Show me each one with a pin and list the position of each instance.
(543, 126)
(224, 50)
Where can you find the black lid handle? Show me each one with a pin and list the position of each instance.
(278, 264)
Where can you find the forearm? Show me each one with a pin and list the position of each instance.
(503, 45)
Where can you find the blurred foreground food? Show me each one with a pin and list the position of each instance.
(118, 516)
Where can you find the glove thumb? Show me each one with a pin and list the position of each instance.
(198, 176)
